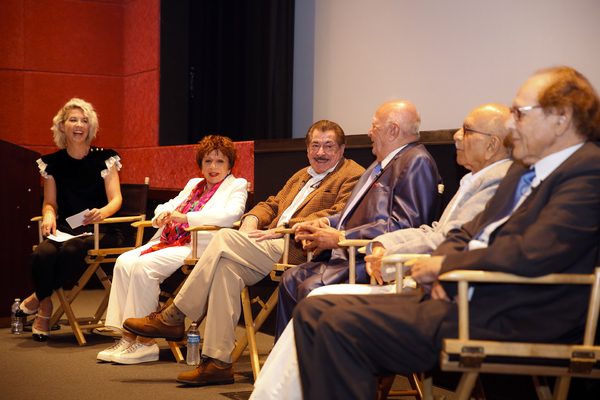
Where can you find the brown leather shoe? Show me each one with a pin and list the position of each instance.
(154, 326)
(208, 373)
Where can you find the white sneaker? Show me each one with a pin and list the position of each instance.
(105, 355)
(136, 353)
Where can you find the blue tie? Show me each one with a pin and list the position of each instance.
(508, 207)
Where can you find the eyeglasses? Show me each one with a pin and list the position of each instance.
(465, 130)
(518, 111)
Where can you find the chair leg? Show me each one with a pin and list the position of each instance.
(541, 387)
(260, 319)
(428, 388)
(70, 316)
(478, 392)
(250, 334)
(73, 293)
(561, 387)
(383, 387)
(176, 352)
(416, 388)
(175, 349)
(466, 384)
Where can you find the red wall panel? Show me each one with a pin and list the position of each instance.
(11, 106)
(141, 110)
(74, 36)
(142, 36)
(46, 93)
(173, 166)
(11, 34)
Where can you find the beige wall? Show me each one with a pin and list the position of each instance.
(445, 56)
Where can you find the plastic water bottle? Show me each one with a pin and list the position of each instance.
(16, 326)
(193, 345)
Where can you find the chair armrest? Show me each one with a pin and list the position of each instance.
(203, 228)
(119, 220)
(398, 260)
(142, 224)
(463, 277)
(38, 218)
(354, 242)
(501, 277)
(284, 231)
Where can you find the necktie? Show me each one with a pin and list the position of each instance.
(508, 207)
(350, 206)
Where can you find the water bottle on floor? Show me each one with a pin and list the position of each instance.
(193, 345)
(16, 326)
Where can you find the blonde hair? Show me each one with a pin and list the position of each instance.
(88, 111)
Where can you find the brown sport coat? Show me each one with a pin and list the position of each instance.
(328, 199)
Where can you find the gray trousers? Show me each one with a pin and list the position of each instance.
(231, 261)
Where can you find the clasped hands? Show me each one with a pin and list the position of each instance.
(316, 235)
(167, 216)
(424, 270)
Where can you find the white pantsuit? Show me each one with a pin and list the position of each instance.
(136, 280)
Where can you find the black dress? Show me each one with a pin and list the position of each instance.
(79, 186)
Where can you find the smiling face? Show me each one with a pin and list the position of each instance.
(215, 167)
(324, 152)
(534, 134)
(76, 127)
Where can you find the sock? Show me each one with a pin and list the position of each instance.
(172, 315)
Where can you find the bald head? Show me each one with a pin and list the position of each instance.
(395, 124)
(483, 140)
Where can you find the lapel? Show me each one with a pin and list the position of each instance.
(306, 177)
(361, 182)
(216, 198)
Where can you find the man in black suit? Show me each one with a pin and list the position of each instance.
(551, 227)
(399, 190)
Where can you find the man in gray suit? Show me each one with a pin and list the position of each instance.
(483, 147)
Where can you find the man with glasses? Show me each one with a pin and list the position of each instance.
(398, 191)
(235, 259)
(543, 219)
(483, 147)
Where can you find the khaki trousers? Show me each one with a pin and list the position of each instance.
(231, 261)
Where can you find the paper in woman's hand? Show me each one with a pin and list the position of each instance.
(77, 219)
(63, 237)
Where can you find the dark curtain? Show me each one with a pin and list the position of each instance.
(241, 60)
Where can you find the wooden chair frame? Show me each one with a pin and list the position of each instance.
(249, 339)
(421, 387)
(473, 353)
(95, 258)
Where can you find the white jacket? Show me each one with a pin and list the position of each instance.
(225, 207)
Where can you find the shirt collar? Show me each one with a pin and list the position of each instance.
(311, 171)
(469, 178)
(389, 157)
(547, 165)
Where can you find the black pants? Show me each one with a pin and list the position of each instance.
(53, 264)
(343, 341)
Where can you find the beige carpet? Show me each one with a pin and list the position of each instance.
(60, 368)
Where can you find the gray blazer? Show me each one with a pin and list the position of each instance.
(425, 239)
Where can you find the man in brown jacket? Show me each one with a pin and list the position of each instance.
(235, 259)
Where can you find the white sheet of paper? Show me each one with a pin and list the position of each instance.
(63, 237)
(77, 219)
